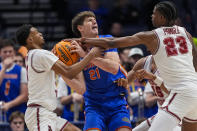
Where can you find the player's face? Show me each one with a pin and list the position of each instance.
(37, 37)
(157, 18)
(6, 52)
(89, 27)
(17, 124)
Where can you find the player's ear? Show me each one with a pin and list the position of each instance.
(80, 28)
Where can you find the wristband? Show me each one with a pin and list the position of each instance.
(158, 81)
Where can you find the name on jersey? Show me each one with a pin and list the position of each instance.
(88, 66)
(169, 31)
(10, 76)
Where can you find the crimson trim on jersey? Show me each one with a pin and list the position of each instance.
(38, 120)
(165, 108)
(32, 65)
(49, 127)
(64, 126)
(148, 122)
(190, 120)
(158, 43)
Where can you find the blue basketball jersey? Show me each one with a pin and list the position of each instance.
(100, 87)
(10, 88)
(68, 111)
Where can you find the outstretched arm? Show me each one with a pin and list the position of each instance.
(136, 39)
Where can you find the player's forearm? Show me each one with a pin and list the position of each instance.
(107, 65)
(131, 76)
(18, 100)
(66, 99)
(150, 101)
(72, 71)
(2, 72)
(76, 84)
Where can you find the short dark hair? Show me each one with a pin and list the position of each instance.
(16, 114)
(168, 10)
(6, 43)
(79, 19)
(22, 34)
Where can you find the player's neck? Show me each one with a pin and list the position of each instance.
(33, 46)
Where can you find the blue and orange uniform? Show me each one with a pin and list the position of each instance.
(10, 88)
(105, 102)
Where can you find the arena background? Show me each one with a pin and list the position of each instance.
(115, 17)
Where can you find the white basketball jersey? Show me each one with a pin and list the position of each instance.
(174, 57)
(152, 87)
(41, 79)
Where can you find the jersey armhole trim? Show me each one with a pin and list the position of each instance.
(33, 66)
(158, 42)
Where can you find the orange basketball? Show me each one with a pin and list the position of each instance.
(63, 50)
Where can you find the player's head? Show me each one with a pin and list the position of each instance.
(17, 122)
(164, 14)
(84, 24)
(29, 36)
(7, 49)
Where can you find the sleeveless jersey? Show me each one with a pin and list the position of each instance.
(10, 88)
(174, 57)
(152, 87)
(41, 79)
(100, 87)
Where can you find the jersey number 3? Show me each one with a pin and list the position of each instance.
(171, 49)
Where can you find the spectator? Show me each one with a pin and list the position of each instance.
(19, 59)
(73, 102)
(116, 29)
(13, 81)
(17, 122)
(124, 61)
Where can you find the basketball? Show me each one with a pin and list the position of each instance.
(63, 51)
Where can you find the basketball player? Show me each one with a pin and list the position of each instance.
(176, 58)
(41, 67)
(105, 104)
(147, 68)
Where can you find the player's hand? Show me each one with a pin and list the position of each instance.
(77, 97)
(122, 82)
(8, 62)
(76, 48)
(5, 106)
(97, 51)
(143, 74)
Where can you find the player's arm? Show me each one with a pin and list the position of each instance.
(138, 65)
(150, 99)
(5, 65)
(110, 62)
(194, 51)
(71, 71)
(77, 83)
(136, 39)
